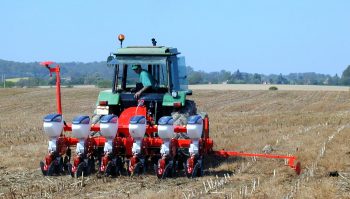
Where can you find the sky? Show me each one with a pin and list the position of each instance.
(255, 36)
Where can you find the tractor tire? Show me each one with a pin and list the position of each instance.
(180, 116)
(42, 165)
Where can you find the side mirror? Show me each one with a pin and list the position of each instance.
(110, 58)
(111, 61)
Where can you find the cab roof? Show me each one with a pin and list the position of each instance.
(147, 51)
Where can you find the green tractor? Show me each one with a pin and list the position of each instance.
(163, 107)
(168, 97)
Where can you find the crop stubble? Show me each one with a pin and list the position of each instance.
(292, 122)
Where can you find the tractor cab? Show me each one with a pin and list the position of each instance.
(162, 64)
(168, 71)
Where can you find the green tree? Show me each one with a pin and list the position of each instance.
(30, 82)
(281, 79)
(9, 84)
(195, 78)
(189, 70)
(213, 77)
(237, 75)
(256, 79)
(335, 80)
(224, 76)
(345, 78)
(104, 84)
(92, 79)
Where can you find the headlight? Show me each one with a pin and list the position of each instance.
(174, 94)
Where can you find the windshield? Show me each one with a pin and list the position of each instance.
(127, 78)
(158, 72)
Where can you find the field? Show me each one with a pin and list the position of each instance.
(309, 123)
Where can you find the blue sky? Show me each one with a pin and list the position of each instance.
(270, 36)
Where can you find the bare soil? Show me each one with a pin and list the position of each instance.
(313, 125)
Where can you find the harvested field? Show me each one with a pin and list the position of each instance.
(267, 86)
(313, 125)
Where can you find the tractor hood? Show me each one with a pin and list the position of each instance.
(115, 98)
(107, 95)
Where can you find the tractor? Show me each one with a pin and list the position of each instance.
(164, 105)
(159, 130)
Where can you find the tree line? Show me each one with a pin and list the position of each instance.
(238, 77)
(72, 73)
(97, 73)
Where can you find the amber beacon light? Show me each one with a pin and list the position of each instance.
(121, 38)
